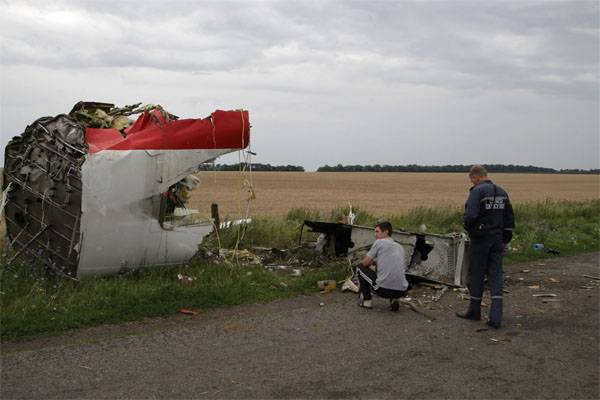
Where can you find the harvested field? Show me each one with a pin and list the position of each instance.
(378, 193)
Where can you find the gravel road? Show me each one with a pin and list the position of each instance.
(298, 348)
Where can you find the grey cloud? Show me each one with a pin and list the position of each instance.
(461, 44)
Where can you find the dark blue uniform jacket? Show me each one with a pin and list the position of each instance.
(488, 212)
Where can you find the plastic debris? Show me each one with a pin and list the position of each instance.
(348, 285)
(327, 285)
(441, 293)
(245, 256)
(544, 295)
(188, 311)
(597, 278)
(185, 280)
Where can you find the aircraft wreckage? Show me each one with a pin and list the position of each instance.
(93, 192)
(437, 258)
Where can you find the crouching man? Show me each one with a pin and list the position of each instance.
(382, 270)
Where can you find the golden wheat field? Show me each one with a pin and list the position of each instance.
(378, 193)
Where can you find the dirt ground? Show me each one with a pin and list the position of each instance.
(299, 348)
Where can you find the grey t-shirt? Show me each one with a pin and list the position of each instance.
(391, 264)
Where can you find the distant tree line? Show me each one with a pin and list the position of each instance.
(451, 168)
(254, 166)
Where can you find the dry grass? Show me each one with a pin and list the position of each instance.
(379, 193)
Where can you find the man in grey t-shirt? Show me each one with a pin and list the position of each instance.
(390, 260)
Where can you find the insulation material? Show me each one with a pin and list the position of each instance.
(94, 192)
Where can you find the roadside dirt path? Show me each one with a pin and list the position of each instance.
(299, 349)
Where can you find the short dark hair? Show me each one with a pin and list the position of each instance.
(385, 226)
(477, 170)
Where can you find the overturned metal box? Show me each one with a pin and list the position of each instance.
(87, 200)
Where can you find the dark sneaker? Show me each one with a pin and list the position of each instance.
(470, 316)
(394, 305)
(495, 325)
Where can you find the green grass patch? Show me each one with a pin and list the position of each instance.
(33, 304)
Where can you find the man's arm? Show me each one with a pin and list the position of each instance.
(472, 208)
(367, 261)
(371, 256)
(509, 222)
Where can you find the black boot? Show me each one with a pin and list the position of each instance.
(495, 319)
(474, 311)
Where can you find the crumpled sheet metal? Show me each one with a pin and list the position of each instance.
(446, 261)
(88, 201)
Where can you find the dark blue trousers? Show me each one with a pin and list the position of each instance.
(485, 259)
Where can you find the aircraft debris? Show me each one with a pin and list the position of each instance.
(437, 297)
(407, 302)
(93, 192)
(187, 311)
(349, 285)
(435, 258)
(327, 285)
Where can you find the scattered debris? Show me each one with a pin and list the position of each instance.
(534, 287)
(321, 304)
(327, 285)
(274, 267)
(348, 285)
(443, 290)
(185, 280)
(526, 271)
(554, 280)
(597, 278)
(550, 300)
(538, 247)
(406, 301)
(553, 251)
(245, 256)
(544, 295)
(188, 311)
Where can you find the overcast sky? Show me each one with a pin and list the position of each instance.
(326, 82)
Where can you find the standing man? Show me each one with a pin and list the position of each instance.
(489, 220)
(390, 260)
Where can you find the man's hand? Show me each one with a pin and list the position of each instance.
(367, 261)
